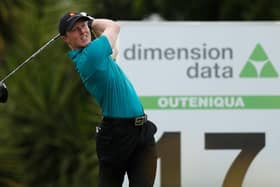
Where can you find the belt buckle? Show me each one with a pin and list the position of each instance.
(140, 120)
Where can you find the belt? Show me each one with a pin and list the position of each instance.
(136, 121)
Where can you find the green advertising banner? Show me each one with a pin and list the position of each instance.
(210, 102)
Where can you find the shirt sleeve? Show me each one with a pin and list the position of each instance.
(94, 57)
(99, 49)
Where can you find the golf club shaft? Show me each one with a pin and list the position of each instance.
(31, 57)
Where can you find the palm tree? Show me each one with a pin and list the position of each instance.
(9, 160)
(9, 13)
(50, 117)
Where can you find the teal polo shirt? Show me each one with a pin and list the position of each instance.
(104, 80)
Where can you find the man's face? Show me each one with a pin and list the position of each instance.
(79, 36)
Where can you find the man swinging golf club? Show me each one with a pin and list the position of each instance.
(125, 141)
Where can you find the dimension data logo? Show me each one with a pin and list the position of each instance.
(258, 65)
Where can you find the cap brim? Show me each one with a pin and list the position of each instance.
(73, 20)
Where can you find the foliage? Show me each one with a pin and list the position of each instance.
(49, 116)
(47, 127)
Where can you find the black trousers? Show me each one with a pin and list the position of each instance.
(126, 149)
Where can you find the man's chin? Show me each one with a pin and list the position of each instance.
(85, 43)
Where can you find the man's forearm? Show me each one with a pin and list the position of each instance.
(99, 25)
(115, 53)
(110, 29)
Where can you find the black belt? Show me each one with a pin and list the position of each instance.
(137, 121)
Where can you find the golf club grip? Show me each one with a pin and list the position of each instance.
(31, 57)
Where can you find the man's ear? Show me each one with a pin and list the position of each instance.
(66, 40)
(63, 38)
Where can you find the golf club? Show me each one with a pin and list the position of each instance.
(3, 87)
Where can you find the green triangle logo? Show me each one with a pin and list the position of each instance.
(258, 65)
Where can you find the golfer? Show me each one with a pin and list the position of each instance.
(125, 141)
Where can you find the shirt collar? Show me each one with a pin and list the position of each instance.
(73, 53)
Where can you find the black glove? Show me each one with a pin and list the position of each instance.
(90, 19)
